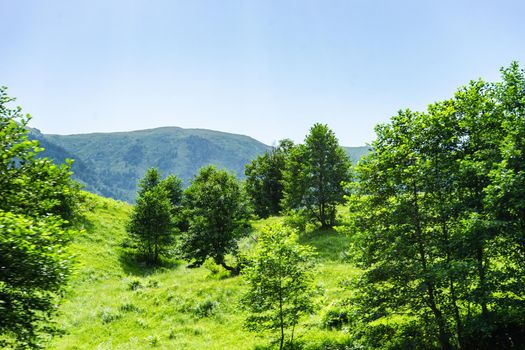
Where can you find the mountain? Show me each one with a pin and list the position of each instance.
(356, 153)
(110, 164)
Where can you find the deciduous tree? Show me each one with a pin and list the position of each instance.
(264, 179)
(315, 176)
(217, 210)
(280, 281)
(39, 201)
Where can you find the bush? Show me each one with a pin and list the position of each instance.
(205, 308)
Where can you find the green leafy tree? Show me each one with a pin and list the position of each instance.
(150, 180)
(280, 279)
(173, 186)
(39, 201)
(264, 179)
(429, 209)
(34, 269)
(151, 224)
(217, 210)
(315, 176)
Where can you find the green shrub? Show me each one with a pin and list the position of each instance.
(205, 308)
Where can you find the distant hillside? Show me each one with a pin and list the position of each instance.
(110, 164)
(356, 153)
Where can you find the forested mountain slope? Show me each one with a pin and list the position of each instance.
(110, 164)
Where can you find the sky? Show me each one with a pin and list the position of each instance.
(266, 69)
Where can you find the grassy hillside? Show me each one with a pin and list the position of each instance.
(116, 303)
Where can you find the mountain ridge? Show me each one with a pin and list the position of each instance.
(111, 163)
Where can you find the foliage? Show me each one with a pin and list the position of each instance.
(217, 210)
(315, 174)
(34, 270)
(38, 199)
(428, 235)
(279, 275)
(151, 224)
(150, 180)
(264, 177)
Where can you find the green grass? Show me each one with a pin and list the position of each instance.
(114, 302)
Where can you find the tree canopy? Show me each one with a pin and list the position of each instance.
(431, 224)
(156, 215)
(279, 274)
(264, 179)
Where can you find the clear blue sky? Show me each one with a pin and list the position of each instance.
(267, 69)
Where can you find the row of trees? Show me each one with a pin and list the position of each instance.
(439, 223)
(212, 213)
(200, 222)
(38, 207)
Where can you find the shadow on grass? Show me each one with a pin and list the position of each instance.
(329, 244)
(135, 265)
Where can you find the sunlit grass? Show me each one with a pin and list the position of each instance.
(115, 302)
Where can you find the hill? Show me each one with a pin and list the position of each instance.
(114, 302)
(356, 153)
(110, 164)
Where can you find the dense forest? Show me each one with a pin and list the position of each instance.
(420, 245)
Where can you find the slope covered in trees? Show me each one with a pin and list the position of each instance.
(427, 252)
(110, 164)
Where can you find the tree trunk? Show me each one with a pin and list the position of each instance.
(444, 338)
(482, 282)
(233, 270)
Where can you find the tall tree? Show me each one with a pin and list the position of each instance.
(429, 215)
(280, 279)
(315, 174)
(150, 180)
(217, 210)
(39, 203)
(264, 177)
(152, 222)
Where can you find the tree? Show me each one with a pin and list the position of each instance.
(34, 268)
(264, 177)
(150, 180)
(151, 225)
(430, 207)
(315, 174)
(39, 203)
(217, 210)
(280, 279)
(173, 186)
